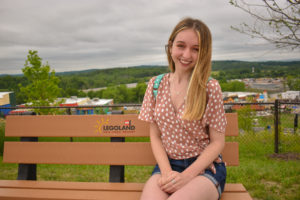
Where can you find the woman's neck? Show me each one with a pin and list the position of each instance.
(180, 77)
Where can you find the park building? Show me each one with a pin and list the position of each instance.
(7, 99)
(77, 102)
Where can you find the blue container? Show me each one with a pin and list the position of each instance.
(4, 112)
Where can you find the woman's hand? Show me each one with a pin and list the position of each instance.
(212, 165)
(173, 181)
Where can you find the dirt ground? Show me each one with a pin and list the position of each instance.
(285, 156)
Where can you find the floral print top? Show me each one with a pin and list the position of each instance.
(183, 139)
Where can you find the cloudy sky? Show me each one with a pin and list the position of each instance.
(93, 34)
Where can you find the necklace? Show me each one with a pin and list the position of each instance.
(176, 90)
(177, 93)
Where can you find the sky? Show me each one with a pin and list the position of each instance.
(74, 35)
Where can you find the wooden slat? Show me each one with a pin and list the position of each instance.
(87, 126)
(232, 191)
(231, 154)
(43, 194)
(105, 186)
(236, 196)
(232, 128)
(234, 187)
(36, 194)
(75, 126)
(102, 153)
(63, 185)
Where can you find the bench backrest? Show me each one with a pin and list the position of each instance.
(102, 153)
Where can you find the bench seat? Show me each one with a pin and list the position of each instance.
(24, 189)
(29, 152)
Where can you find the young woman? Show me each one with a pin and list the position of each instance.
(187, 120)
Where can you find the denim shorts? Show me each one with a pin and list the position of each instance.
(218, 179)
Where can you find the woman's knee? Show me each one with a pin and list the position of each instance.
(199, 187)
(152, 191)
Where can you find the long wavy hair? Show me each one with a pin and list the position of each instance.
(196, 94)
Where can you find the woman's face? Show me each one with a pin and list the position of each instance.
(184, 50)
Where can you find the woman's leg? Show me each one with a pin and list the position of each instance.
(198, 188)
(152, 190)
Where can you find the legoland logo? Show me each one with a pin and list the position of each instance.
(101, 123)
(104, 126)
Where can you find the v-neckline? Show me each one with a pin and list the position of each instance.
(176, 110)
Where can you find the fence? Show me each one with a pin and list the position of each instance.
(268, 127)
(271, 126)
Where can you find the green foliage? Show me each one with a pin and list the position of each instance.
(72, 83)
(42, 88)
(139, 92)
(233, 86)
(121, 94)
(239, 69)
(246, 116)
(293, 83)
(109, 77)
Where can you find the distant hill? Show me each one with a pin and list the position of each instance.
(76, 72)
(222, 65)
(73, 82)
(234, 64)
(222, 70)
(241, 69)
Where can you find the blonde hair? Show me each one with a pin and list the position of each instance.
(196, 94)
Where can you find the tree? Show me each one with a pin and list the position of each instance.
(293, 83)
(139, 92)
(246, 116)
(233, 86)
(42, 89)
(276, 21)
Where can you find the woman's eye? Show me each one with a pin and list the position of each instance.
(180, 46)
(196, 49)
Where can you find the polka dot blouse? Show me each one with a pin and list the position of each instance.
(183, 139)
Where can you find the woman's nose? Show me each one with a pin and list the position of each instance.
(187, 53)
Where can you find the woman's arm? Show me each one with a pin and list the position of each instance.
(158, 150)
(211, 152)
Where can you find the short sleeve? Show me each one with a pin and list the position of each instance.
(214, 115)
(148, 106)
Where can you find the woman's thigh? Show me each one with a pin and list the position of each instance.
(152, 190)
(198, 188)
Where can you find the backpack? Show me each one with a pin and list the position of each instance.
(158, 80)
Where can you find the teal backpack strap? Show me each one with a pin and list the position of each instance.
(158, 80)
(209, 78)
(156, 84)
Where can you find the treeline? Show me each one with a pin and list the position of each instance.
(120, 94)
(72, 83)
(109, 77)
(227, 70)
(114, 79)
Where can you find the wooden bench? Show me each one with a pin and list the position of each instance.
(29, 151)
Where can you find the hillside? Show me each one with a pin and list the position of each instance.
(74, 81)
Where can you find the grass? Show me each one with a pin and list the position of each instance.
(264, 177)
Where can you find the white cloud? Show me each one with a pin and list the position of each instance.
(79, 34)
